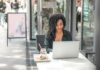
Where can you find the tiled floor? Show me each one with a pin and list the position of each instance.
(14, 56)
(32, 50)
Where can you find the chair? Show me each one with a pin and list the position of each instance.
(40, 41)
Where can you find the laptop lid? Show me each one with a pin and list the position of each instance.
(65, 49)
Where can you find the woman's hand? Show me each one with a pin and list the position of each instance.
(43, 51)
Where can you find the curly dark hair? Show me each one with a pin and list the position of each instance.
(52, 24)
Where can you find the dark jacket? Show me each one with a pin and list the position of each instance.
(66, 37)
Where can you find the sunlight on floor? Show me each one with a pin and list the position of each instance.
(2, 65)
(20, 67)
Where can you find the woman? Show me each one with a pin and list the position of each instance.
(56, 30)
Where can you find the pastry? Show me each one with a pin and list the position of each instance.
(43, 57)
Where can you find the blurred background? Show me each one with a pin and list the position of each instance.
(79, 16)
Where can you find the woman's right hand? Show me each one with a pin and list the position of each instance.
(43, 51)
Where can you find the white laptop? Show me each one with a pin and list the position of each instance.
(65, 49)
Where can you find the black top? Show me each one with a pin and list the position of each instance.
(66, 37)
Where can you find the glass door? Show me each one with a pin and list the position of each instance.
(41, 10)
(88, 25)
(50, 7)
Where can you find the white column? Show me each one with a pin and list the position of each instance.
(28, 18)
(67, 15)
(74, 20)
(39, 17)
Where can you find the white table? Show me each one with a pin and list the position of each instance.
(80, 63)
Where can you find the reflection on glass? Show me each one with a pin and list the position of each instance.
(48, 7)
(34, 19)
(15, 6)
(88, 24)
(58, 6)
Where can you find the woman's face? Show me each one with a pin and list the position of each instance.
(59, 26)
